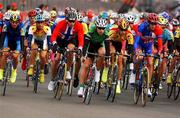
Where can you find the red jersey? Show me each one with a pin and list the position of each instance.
(61, 30)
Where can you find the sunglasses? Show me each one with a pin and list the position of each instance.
(101, 28)
(14, 22)
(151, 23)
(71, 21)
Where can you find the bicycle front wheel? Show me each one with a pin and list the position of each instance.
(177, 85)
(145, 86)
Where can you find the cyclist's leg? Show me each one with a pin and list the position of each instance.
(83, 74)
(32, 58)
(43, 56)
(3, 62)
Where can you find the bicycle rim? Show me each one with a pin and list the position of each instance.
(7, 75)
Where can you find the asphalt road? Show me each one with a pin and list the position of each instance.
(21, 102)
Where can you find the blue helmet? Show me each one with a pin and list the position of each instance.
(39, 18)
(104, 15)
(165, 15)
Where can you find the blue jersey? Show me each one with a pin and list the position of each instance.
(13, 36)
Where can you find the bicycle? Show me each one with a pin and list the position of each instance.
(90, 84)
(7, 71)
(141, 87)
(60, 78)
(174, 87)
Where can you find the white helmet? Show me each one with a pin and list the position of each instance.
(46, 15)
(79, 17)
(121, 16)
(114, 15)
(101, 22)
(130, 18)
(7, 15)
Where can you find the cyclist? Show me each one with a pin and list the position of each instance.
(31, 14)
(168, 39)
(147, 31)
(68, 33)
(96, 41)
(119, 37)
(12, 35)
(176, 26)
(39, 37)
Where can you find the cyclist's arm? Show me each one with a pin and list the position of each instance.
(80, 36)
(56, 31)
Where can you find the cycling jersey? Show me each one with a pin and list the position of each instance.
(65, 32)
(143, 31)
(177, 39)
(13, 36)
(95, 37)
(42, 37)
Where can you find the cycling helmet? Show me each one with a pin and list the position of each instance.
(100, 22)
(71, 15)
(46, 15)
(114, 15)
(39, 18)
(104, 15)
(162, 21)
(79, 17)
(121, 16)
(152, 17)
(165, 15)
(130, 18)
(15, 17)
(1, 6)
(175, 22)
(7, 15)
(123, 24)
(67, 9)
(53, 13)
(32, 13)
(89, 14)
(39, 11)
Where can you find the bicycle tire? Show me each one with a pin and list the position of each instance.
(145, 85)
(169, 90)
(177, 85)
(36, 77)
(108, 84)
(56, 90)
(7, 75)
(63, 79)
(90, 86)
(27, 79)
(70, 85)
(136, 94)
(114, 84)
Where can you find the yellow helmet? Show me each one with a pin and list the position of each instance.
(123, 24)
(15, 17)
(163, 21)
(53, 13)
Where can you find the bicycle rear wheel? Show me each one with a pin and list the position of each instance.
(145, 86)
